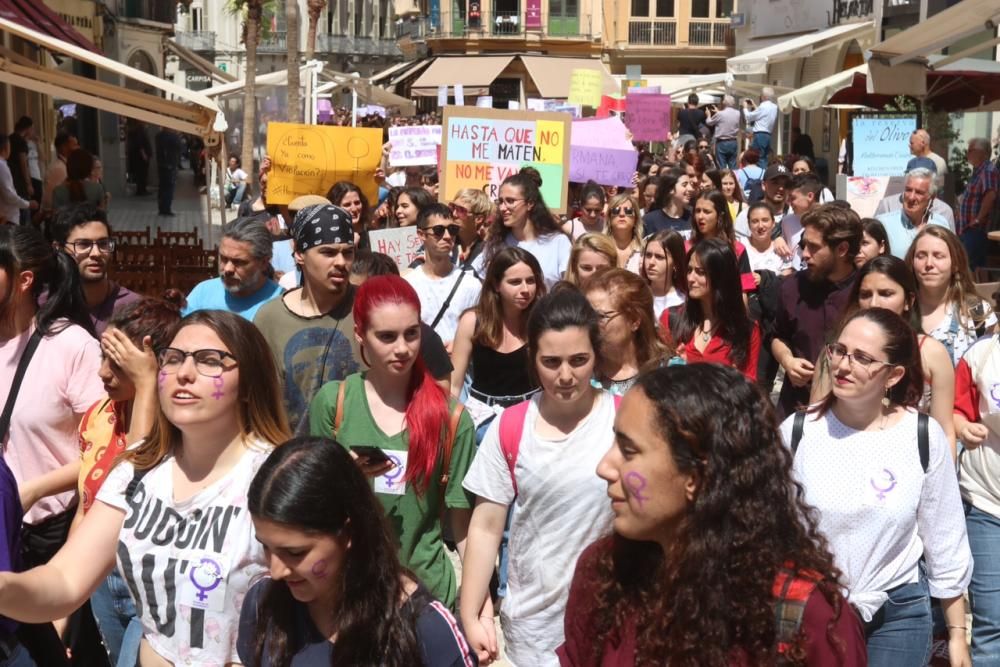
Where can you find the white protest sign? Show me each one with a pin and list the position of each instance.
(400, 243)
(414, 145)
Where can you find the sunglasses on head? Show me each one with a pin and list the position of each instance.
(626, 210)
(439, 230)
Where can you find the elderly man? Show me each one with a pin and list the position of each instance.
(923, 156)
(244, 283)
(726, 122)
(978, 201)
(903, 225)
(762, 120)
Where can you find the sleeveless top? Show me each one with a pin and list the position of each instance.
(500, 373)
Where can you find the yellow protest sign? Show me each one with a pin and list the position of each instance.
(585, 87)
(308, 159)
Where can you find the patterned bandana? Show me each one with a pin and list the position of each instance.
(321, 224)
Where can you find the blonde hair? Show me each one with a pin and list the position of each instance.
(479, 203)
(637, 231)
(593, 242)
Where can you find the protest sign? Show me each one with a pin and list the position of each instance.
(864, 193)
(628, 85)
(601, 151)
(309, 159)
(648, 116)
(882, 144)
(400, 243)
(482, 147)
(585, 87)
(414, 145)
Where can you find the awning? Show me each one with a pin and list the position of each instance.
(416, 68)
(803, 46)
(37, 16)
(818, 94)
(967, 18)
(389, 71)
(715, 86)
(474, 73)
(552, 74)
(279, 78)
(205, 67)
(191, 112)
(367, 92)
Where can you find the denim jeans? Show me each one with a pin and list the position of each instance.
(19, 657)
(984, 589)
(114, 612)
(726, 152)
(762, 142)
(505, 540)
(976, 245)
(900, 632)
(235, 194)
(167, 184)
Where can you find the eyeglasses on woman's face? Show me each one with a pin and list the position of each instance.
(210, 363)
(836, 352)
(624, 210)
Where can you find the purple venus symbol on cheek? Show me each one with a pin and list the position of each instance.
(319, 569)
(162, 380)
(636, 484)
(217, 394)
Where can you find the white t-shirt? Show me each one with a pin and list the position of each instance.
(551, 251)
(434, 291)
(190, 563)
(880, 512)
(561, 507)
(767, 260)
(668, 300)
(741, 225)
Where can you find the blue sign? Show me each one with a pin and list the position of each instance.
(882, 145)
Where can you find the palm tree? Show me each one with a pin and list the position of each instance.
(253, 11)
(315, 8)
(294, 90)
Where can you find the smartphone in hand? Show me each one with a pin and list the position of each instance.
(372, 455)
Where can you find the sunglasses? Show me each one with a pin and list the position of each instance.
(439, 230)
(458, 209)
(626, 210)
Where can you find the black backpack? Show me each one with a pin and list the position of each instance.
(753, 189)
(923, 437)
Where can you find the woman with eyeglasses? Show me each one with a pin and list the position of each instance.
(664, 268)
(173, 510)
(593, 200)
(526, 222)
(881, 478)
(671, 208)
(590, 253)
(473, 210)
(713, 324)
(624, 226)
(418, 442)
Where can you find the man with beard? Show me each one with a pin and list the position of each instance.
(244, 283)
(310, 329)
(812, 301)
(84, 233)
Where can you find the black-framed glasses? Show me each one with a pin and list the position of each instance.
(605, 316)
(208, 362)
(836, 353)
(84, 246)
(615, 210)
(439, 230)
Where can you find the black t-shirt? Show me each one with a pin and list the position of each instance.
(658, 221)
(18, 147)
(690, 120)
(442, 643)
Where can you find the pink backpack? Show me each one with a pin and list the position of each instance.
(511, 429)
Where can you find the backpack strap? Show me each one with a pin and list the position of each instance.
(791, 591)
(797, 425)
(338, 417)
(923, 440)
(511, 428)
(449, 443)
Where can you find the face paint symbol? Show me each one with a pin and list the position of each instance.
(162, 379)
(211, 573)
(636, 484)
(397, 470)
(883, 483)
(217, 394)
(319, 568)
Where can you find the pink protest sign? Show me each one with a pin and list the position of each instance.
(648, 116)
(601, 151)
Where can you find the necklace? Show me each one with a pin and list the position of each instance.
(707, 335)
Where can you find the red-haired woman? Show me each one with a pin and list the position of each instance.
(396, 407)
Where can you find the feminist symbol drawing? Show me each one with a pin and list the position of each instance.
(888, 481)
(636, 483)
(212, 572)
(396, 472)
(217, 394)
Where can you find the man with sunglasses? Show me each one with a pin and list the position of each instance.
(82, 231)
(903, 225)
(445, 290)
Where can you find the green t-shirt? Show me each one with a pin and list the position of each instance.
(415, 519)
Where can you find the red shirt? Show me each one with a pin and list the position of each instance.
(717, 350)
(619, 650)
(747, 281)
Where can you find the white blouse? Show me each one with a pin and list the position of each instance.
(879, 511)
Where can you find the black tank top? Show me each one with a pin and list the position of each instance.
(500, 374)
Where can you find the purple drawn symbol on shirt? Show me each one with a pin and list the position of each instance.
(887, 481)
(636, 483)
(213, 570)
(995, 394)
(397, 470)
(218, 382)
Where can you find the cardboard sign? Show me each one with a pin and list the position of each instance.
(400, 243)
(585, 87)
(482, 147)
(601, 151)
(414, 145)
(882, 145)
(865, 192)
(309, 159)
(648, 116)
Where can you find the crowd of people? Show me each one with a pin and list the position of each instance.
(564, 422)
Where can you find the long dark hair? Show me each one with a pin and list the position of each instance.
(724, 226)
(56, 274)
(718, 261)
(561, 309)
(666, 187)
(895, 270)
(311, 484)
(489, 310)
(673, 247)
(544, 223)
(341, 189)
(711, 596)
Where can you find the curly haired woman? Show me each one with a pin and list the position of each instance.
(715, 559)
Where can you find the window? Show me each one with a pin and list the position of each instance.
(665, 8)
(699, 8)
(640, 7)
(723, 9)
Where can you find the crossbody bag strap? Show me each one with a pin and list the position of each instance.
(798, 424)
(339, 416)
(15, 386)
(923, 440)
(447, 302)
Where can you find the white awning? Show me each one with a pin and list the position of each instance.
(803, 46)
(389, 71)
(816, 94)
(967, 18)
(279, 78)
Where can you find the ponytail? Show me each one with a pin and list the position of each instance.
(65, 299)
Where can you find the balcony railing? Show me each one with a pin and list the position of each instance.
(276, 42)
(652, 32)
(415, 29)
(710, 33)
(507, 23)
(197, 40)
(346, 44)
